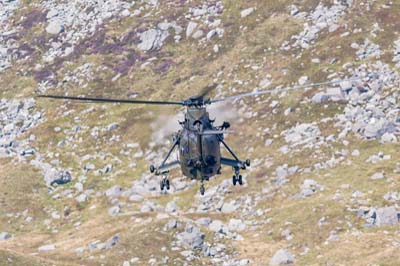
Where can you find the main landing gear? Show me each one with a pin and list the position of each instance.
(164, 183)
(237, 178)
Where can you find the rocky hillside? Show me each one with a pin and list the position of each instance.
(323, 188)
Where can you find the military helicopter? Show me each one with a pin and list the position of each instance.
(199, 141)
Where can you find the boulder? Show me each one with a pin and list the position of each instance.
(282, 257)
(113, 211)
(113, 192)
(246, 12)
(388, 137)
(172, 224)
(192, 238)
(216, 226)
(55, 28)
(171, 207)
(82, 198)
(135, 197)
(152, 39)
(378, 175)
(236, 225)
(190, 28)
(54, 177)
(111, 242)
(204, 221)
(302, 134)
(386, 216)
(4, 236)
(228, 207)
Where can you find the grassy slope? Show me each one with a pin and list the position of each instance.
(268, 27)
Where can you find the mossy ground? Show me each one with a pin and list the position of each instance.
(254, 40)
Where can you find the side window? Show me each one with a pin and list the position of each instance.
(184, 145)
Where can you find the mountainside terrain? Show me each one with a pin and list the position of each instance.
(324, 184)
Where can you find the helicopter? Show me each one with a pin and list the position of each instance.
(199, 140)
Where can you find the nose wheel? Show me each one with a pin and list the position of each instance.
(202, 189)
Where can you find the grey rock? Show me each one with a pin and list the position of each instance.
(146, 208)
(88, 167)
(55, 28)
(392, 196)
(46, 248)
(113, 241)
(54, 177)
(322, 17)
(190, 28)
(4, 236)
(152, 39)
(172, 224)
(389, 138)
(246, 12)
(211, 34)
(228, 207)
(112, 126)
(113, 211)
(78, 186)
(136, 198)
(108, 168)
(378, 175)
(368, 50)
(282, 257)
(216, 226)
(268, 142)
(113, 192)
(236, 225)
(171, 207)
(374, 130)
(309, 187)
(198, 34)
(192, 237)
(282, 171)
(335, 94)
(243, 262)
(346, 85)
(82, 198)
(386, 216)
(302, 134)
(179, 185)
(204, 221)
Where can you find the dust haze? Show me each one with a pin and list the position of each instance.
(166, 125)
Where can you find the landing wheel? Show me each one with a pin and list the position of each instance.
(247, 162)
(152, 168)
(234, 180)
(164, 184)
(202, 189)
(240, 180)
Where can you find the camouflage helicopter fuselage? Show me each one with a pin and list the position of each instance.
(199, 145)
(199, 154)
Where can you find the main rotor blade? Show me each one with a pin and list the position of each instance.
(89, 99)
(217, 132)
(256, 93)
